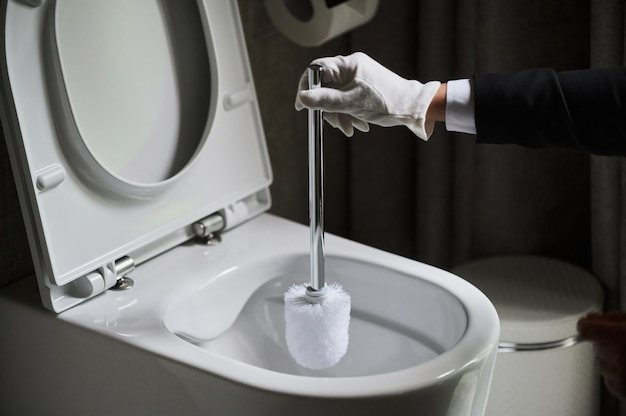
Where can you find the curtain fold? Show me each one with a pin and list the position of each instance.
(608, 176)
(607, 173)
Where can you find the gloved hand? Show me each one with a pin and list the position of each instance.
(357, 90)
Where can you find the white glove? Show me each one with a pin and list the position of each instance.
(357, 90)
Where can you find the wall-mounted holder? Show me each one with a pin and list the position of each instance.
(313, 22)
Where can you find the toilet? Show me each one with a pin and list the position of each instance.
(141, 166)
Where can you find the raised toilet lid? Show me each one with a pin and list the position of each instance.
(126, 122)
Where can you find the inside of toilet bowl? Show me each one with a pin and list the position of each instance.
(397, 321)
(134, 84)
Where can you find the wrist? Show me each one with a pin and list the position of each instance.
(417, 103)
(437, 108)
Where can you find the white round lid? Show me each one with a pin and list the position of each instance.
(537, 299)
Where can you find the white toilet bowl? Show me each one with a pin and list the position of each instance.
(206, 324)
(200, 328)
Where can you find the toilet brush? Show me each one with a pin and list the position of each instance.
(317, 315)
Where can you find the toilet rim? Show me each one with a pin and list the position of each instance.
(475, 346)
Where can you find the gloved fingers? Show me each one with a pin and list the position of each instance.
(338, 70)
(341, 122)
(303, 84)
(337, 73)
(332, 119)
(360, 124)
(345, 100)
(324, 98)
(346, 123)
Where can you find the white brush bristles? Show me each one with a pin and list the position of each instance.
(317, 332)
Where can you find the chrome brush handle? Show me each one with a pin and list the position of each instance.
(316, 185)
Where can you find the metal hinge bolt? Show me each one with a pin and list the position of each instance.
(208, 229)
(122, 267)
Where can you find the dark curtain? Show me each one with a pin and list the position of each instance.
(608, 174)
(449, 200)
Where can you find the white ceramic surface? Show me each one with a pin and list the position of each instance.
(384, 337)
(201, 293)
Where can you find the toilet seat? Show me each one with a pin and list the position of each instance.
(134, 115)
(94, 210)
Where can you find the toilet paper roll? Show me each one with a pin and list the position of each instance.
(313, 22)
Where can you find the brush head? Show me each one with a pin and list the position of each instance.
(317, 325)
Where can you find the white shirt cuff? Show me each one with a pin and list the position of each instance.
(460, 106)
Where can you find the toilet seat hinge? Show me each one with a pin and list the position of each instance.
(208, 230)
(122, 267)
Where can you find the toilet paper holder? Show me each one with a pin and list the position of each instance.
(314, 22)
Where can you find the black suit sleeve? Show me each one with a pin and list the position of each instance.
(581, 110)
